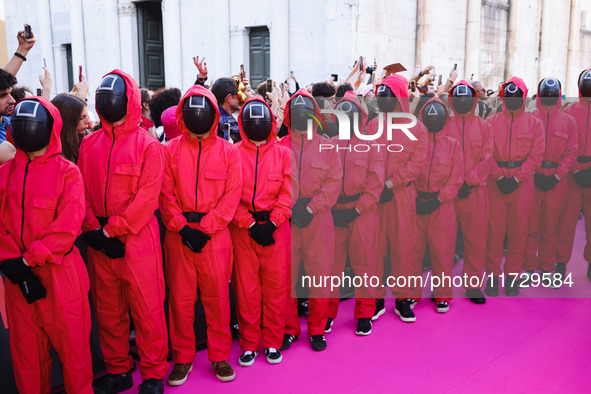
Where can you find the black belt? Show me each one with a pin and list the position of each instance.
(194, 217)
(347, 199)
(427, 196)
(103, 220)
(584, 159)
(69, 251)
(302, 202)
(510, 163)
(261, 216)
(549, 164)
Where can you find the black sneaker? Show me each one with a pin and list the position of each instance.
(492, 287)
(511, 287)
(442, 307)
(151, 386)
(247, 358)
(273, 355)
(380, 308)
(318, 342)
(114, 383)
(329, 324)
(403, 309)
(363, 326)
(559, 275)
(287, 341)
(476, 296)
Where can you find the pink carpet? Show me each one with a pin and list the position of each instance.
(518, 345)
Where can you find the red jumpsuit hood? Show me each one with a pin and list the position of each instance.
(352, 98)
(447, 117)
(197, 90)
(399, 86)
(301, 92)
(450, 101)
(272, 136)
(520, 83)
(554, 109)
(55, 144)
(134, 105)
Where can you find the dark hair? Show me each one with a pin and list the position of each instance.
(162, 100)
(145, 95)
(70, 108)
(7, 80)
(223, 87)
(323, 89)
(20, 93)
(342, 89)
(262, 89)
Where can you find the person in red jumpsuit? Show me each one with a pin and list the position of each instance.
(41, 213)
(476, 138)
(578, 181)
(519, 145)
(355, 216)
(200, 193)
(123, 168)
(560, 153)
(437, 187)
(396, 208)
(313, 238)
(260, 234)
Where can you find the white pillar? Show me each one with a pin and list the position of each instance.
(76, 39)
(128, 33)
(472, 50)
(574, 38)
(279, 40)
(172, 35)
(238, 54)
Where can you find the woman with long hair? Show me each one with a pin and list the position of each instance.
(76, 121)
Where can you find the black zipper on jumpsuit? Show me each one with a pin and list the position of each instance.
(256, 167)
(463, 126)
(344, 163)
(197, 177)
(109, 169)
(587, 130)
(431, 164)
(510, 136)
(547, 124)
(300, 168)
(23, 204)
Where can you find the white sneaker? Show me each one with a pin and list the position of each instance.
(247, 358)
(273, 355)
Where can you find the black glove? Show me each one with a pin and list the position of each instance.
(343, 217)
(464, 191)
(301, 217)
(263, 233)
(427, 207)
(15, 269)
(96, 239)
(432, 205)
(194, 239)
(32, 288)
(112, 247)
(507, 185)
(545, 182)
(583, 178)
(420, 207)
(386, 195)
